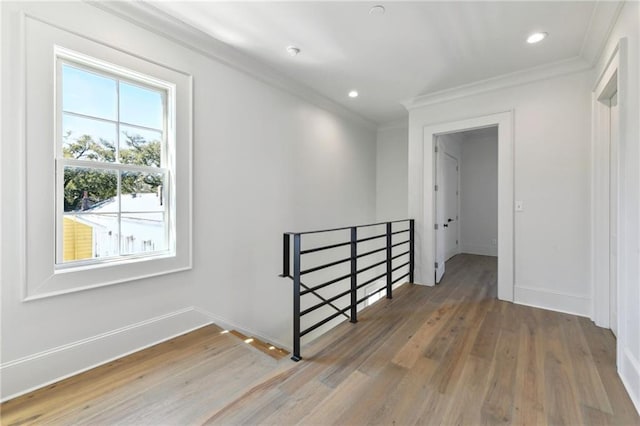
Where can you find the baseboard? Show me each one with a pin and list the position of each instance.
(35, 371)
(555, 301)
(231, 325)
(629, 372)
(479, 249)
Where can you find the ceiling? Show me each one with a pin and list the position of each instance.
(414, 48)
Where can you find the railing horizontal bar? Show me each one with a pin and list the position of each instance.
(324, 321)
(404, 276)
(401, 254)
(326, 265)
(333, 281)
(371, 252)
(371, 294)
(399, 244)
(326, 302)
(371, 280)
(400, 266)
(313, 250)
(362, 240)
(371, 266)
(400, 232)
(348, 227)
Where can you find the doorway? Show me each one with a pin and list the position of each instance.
(422, 197)
(608, 228)
(466, 205)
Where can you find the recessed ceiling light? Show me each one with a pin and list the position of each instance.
(377, 10)
(353, 94)
(293, 51)
(536, 37)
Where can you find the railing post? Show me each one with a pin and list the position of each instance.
(412, 246)
(296, 298)
(389, 281)
(354, 274)
(286, 255)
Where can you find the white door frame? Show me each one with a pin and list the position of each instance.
(606, 86)
(504, 121)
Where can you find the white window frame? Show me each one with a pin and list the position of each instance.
(86, 63)
(35, 166)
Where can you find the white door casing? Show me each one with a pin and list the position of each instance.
(426, 238)
(614, 160)
(604, 244)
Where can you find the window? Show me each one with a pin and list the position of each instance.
(104, 164)
(114, 164)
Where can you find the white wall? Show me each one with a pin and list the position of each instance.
(265, 162)
(479, 194)
(452, 144)
(628, 342)
(552, 138)
(391, 173)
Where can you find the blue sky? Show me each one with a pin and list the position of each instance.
(86, 93)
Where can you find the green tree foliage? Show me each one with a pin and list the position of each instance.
(85, 186)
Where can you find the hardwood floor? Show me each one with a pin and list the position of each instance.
(452, 354)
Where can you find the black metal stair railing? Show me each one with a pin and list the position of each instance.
(300, 289)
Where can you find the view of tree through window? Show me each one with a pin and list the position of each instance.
(114, 185)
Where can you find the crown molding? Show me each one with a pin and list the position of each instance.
(530, 75)
(603, 20)
(152, 19)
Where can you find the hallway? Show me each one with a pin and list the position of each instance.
(452, 354)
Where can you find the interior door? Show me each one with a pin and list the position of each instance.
(450, 217)
(613, 215)
(440, 214)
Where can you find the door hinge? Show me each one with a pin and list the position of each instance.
(435, 226)
(435, 188)
(436, 265)
(436, 150)
(456, 241)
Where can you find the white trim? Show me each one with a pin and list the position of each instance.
(422, 208)
(629, 372)
(152, 19)
(37, 276)
(600, 143)
(601, 24)
(552, 300)
(41, 369)
(544, 72)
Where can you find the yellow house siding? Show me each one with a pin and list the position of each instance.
(77, 240)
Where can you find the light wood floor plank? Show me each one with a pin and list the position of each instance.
(451, 354)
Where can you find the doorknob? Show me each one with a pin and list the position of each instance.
(445, 225)
(449, 220)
